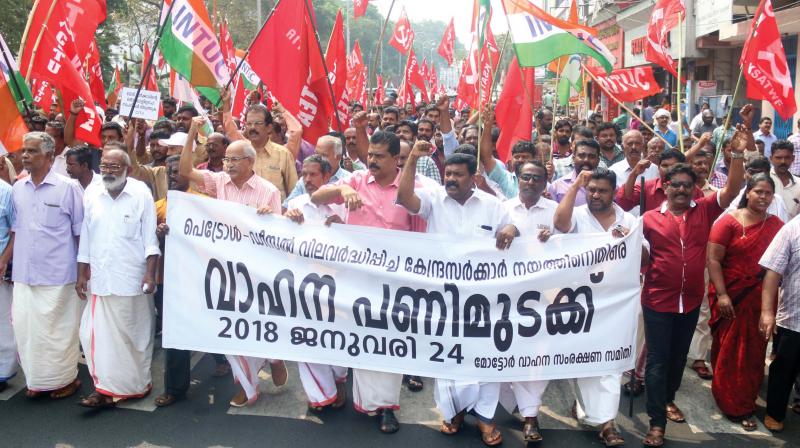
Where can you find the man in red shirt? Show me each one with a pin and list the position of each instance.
(678, 234)
(654, 189)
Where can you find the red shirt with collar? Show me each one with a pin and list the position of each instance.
(654, 195)
(674, 280)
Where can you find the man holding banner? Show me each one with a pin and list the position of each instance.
(460, 208)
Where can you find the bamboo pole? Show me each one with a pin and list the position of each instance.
(497, 69)
(327, 77)
(27, 28)
(39, 40)
(376, 56)
(149, 65)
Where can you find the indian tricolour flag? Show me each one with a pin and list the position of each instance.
(250, 78)
(15, 80)
(539, 37)
(190, 46)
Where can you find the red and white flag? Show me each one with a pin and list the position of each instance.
(355, 67)
(476, 79)
(226, 46)
(336, 62)
(513, 111)
(764, 63)
(286, 57)
(57, 61)
(414, 77)
(379, 91)
(403, 36)
(359, 8)
(95, 75)
(151, 83)
(447, 46)
(627, 84)
(432, 79)
(665, 16)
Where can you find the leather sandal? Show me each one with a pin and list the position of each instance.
(165, 400)
(414, 383)
(530, 430)
(654, 437)
(675, 414)
(749, 423)
(772, 424)
(702, 370)
(341, 396)
(635, 387)
(97, 400)
(389, 423)
(454, 425)
(67, 390)
(610, 436)
(489, 433)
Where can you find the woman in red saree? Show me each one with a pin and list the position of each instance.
(737, 241)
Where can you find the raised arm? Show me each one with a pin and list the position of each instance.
(698, 145)
(231, 131)
(294, 131)
(69, 128)
(360, 121)
(405, 192)
(186, 167)
(742, 139)
(562, 220)
(627, 195)
(487, 158)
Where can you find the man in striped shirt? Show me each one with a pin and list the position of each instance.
(238, 183)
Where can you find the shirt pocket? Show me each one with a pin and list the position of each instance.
(50, 215)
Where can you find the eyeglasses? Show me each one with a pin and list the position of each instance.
(254, 124)
(530, 177)
(677, 184)
(110, 167)
(234, 159)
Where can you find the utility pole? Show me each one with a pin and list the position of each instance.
(258, 14)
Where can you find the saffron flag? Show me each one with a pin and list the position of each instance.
(336, 62)
(56, 61)
(403, 36)
(513, 111)
(539, 37)
(15, 80)
(448, 43)
(764, 63)
(481, 15)
(359, 8)
(12, 124)
(286, 57)
(189, 45)
(627, 84)
(112, 94)
(557, 65)
(379, 90)
(665, 16)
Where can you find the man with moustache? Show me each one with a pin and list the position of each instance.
(787, 185)
(119, 247)
(216, 145)
(79, 166)
(407, 131)
(632, 146)
(599, 396)
(610, 151)
(460, 209)
(531, 214)
(350, 142)
(655, 192)
(585, 158)
(238, 183)
(565, 166)
(370, 197)
(521, 153)
(391, 116)
(155, 177)
(678, 233)
(544, 123)
(563, 138)
(329, 147)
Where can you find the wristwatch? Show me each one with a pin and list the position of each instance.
(737, 155)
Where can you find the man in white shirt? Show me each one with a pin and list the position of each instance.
(459, 208)
(633, 146)
(119, 245)
(532, 214)
(764, 133)
(79, 166)
(787, 185)
(599, 395)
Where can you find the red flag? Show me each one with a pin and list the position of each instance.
(405, 95)
(150, 76)
(359, 8)
(355, 67)
(413, 77)
(57, 62)
(447, 46)
(286, 57)
(424, 69)
(226, 46)
(627, 84)
(336, 61)
(474, 78)
(663, 18)
(403, 36)
(239, 97)
(764, 63)
(96, 76)
(117, 83)
(513, 110)
(379, 90)
(86, 16)
(42, 93)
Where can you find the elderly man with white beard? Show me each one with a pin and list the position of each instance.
(119, 247)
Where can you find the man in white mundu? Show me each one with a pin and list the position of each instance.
(325, 385)
(459, 208)
(119, 251)
(46, 311)
(8, 346)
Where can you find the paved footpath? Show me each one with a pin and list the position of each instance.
(280, 419)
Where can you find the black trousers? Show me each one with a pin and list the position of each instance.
(177, 371)
(668, 336)
(782, 373)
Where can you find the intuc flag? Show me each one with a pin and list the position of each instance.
(189, 45)
(557, 65)
(403, 36)
(627, 84)
(54, 62)
(359, 8)
(286, 57)
(513, 110)
(447, 46)
(764, 63)
(665, 16)
(12, 125)
(112, 94)
(15, 80)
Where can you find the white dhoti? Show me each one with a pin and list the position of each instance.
(453, 397)
(598, 400)
(320, 380)
(701, 340)
(8, 347)
(117, 337)
(373, 391)
(245, 373)
(46, 323)
(523, 395)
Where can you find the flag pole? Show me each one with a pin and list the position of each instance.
(371, 98)
(27, 28)
(622, 105)
(327, 77)
(152, 56)
(16, 86)
(680, 62)
(38, 39)
(497, 69)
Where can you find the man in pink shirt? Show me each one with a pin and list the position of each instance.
(238, 183)
(370, 198)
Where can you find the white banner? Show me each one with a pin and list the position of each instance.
(421, 304)
(146, 105)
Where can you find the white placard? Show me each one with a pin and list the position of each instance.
(147, 104)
